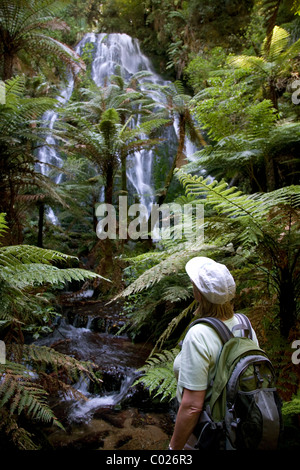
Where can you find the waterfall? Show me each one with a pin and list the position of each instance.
(47, 155)
(111, 51)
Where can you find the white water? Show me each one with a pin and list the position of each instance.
(84, 409)
(111, 51)
(110, 352)
(120, 50)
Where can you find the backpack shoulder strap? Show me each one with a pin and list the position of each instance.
(223, 331)
(244, 324)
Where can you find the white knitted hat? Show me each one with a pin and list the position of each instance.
(213, 279)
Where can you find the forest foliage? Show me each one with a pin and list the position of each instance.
(234, 90)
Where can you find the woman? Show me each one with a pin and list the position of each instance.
(195, 365)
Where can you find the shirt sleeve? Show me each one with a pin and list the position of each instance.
(194, 361)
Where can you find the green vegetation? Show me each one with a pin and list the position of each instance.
(233, 70)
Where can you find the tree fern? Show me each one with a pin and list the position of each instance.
(268, 225)
(20, 134)
(263, 226)
(21, 28)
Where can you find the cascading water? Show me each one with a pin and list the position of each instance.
(47, 154)
(112, 51)
(116, 355)
(84, 409)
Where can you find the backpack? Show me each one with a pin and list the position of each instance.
(244, 408)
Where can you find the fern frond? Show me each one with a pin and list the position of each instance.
(175, 294)
(158, 375)
(28, 254)
(3, 226)
(278, 43)
(39, 357)
(172, 265)
(172, 325)
(232, 202)
(292, 407)
(14, 86)
(20, 437)
(248, 63)
(22, 394)
(223, 197)
(42, 274)
(25, 265)
(25, 387)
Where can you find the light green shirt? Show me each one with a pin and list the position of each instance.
(195, 365)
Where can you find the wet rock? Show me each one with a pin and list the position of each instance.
(90, 441)
(111, 416)
(107, 324)
(138, 396)
(112, 379)
(124, 440)
(142, 420)
(136, 430)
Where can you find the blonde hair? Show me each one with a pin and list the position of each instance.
(207, 309)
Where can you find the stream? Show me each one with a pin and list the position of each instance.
(119, 416)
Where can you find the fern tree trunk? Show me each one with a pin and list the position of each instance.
(270, 173)
(7, 68)
(108, 191)
(41, 225)
(106, 263)
(123, 172)
(178, 159)
(287, 306)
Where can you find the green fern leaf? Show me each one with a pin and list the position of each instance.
(158, 375)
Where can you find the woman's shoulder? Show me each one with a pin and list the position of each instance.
(201, 332)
